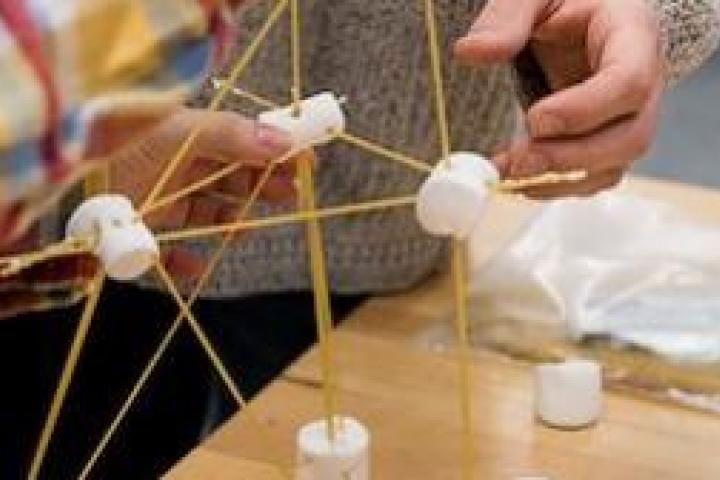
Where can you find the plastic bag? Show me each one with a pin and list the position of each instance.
(627, 279)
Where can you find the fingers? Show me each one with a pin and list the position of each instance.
(27, 242)
(603, 114)
(183, 263)
(502, 30)
(623, 82)
(238, 184)
(222, 203)
(214, 208)
(205, 210)
(229, 137)
(280, 188)
(602, 154)
(610, 148)
(606, 97)
(168, 218)
(110, 132)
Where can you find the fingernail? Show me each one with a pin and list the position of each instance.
(272, 138)
(547, 125)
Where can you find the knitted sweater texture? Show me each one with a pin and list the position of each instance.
(375, 53)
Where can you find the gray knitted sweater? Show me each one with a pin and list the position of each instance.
(375, 53)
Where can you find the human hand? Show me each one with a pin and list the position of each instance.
(603, 63)
(225, 138)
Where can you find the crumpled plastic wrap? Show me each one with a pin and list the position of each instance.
(631, 281)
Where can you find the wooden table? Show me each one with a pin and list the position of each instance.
(406, 394)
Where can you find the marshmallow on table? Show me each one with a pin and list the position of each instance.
(319, 116)
(453, 198)
(345, 458)
(568, 394)
(125, 246)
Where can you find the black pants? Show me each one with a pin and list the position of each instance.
(257, 337)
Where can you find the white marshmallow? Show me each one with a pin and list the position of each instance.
(454, 197)
(125, 246)
(346, 458)
(568, 394)
(319, 116)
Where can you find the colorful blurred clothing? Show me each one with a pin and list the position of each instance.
(65, 63)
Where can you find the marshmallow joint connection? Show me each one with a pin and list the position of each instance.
(125, 246)
(453, 199)
(344, 457)
(315, 122)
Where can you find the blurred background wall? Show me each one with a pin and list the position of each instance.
(687, 146)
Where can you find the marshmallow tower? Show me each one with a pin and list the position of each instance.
(569, 394)
(125, 246)
(454, 197)
(346, 458)
(319, 116)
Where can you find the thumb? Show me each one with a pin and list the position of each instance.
(501, 32)
(110, 132)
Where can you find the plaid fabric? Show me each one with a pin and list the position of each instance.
(65, 62)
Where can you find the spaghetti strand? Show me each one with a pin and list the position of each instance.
(296, 90)
(167, 339)
(278, 220)
(321, 292)
(318, 272)
(217, 99)
(385, 152)
(545, 179)
(308, 213)
(66, 376)
(125, 408)
(200, 335)
(14, 264)
(209, 180)
(459, 262)
(354, 140)
(437, 78)
(462, 325)
(96, 182)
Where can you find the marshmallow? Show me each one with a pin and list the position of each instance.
(125, 246)
(345, 458)
(568, 394)
(453, 198)
(319, 116)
